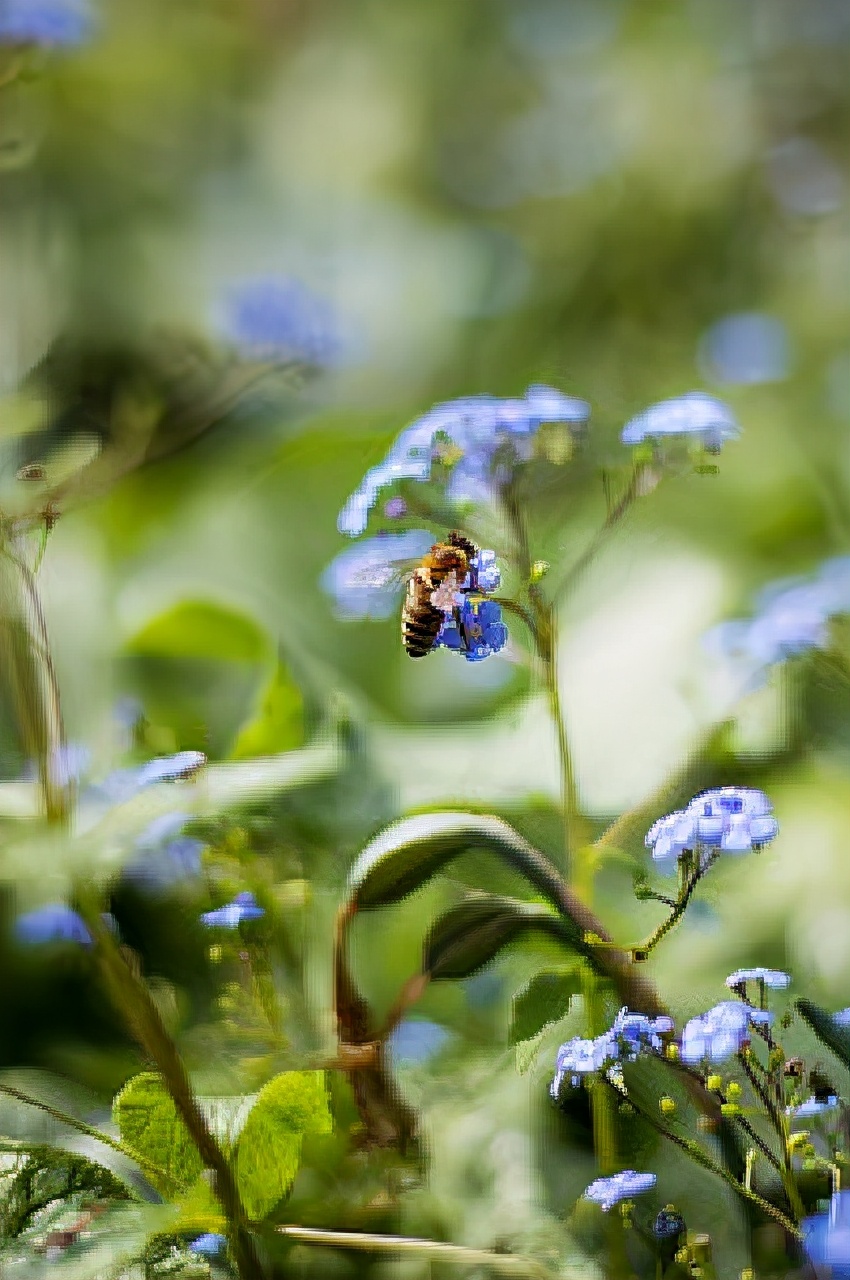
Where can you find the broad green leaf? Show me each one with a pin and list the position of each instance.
(545, 999)
(472, 933)
(835, 1037)
(279, 722)
(199, 1211)
(149, 1124)
(202, 629)
(268, 1153)
(407, 854)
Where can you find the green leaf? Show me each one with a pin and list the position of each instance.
(202, 629)
(407, 854)
(545, 999)
(827, 1030)
(268, 1153)
(279, 722)
(468, 936)
(150, 1125)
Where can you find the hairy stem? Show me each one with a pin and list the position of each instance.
(411, 1246)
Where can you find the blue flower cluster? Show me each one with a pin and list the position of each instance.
(700, 416)
(726, 819)
(791, 617)
(478, 437)
(775, 979)
(606, 1192)
(280, 320)
(58, 23)
(243, 907)
(721, 1032)
(484, 632)
(629, 1035)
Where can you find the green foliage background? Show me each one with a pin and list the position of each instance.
(490, 194)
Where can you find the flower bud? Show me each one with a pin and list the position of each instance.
(714, 1083)
(733, 1091)
(667, 1105)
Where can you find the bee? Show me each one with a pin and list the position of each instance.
(431, 593)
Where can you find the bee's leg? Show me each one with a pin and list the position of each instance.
(458, 616)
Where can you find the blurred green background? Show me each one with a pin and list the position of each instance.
(489, 194)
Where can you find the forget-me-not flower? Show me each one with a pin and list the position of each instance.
(696, 415)
(55, 922)
(748, 348)
(826, 1236)
(209, 1244)
(480, 438)
(721, 1032)
(243, 907)
(606, 1192)
(629, 1034)
(725, 819)
(775, 979)
(813, 1107)
(484, 631)
(279, 319)
(57, 23)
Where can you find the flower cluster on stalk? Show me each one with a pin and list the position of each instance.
(629, 1035)
(723, 820)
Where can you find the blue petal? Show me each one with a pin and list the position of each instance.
(55, 922)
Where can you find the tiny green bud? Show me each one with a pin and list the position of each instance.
(667, 1105)
(730, 1109)
(539, 570)
(734, 1090)
(215, 954)
(672, 1052)
(714, 1083)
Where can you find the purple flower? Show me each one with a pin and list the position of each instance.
(775, 979)
(209, 1244)
(366, 580)
(718, 1034)
(243, 907)
(395, 509)
(480, 438)
(55, 922)
(826, 1236)
(61, 23)
(606, 1192)
(694, 414)
(279, 319)
(165, 857)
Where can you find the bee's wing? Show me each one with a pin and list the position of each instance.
(387, 575)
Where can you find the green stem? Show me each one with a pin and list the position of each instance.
(615, 514)
(409, 1246)
(680, 906)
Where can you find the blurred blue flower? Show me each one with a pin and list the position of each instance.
(479, 437)
(395, 509)
(279, 319)
(629, 1034)
(243, 907)
(606, 1192)
(718, 1034)
(775, 979)
(366, 580)
(842, 1017)
(415, 1040)
(163, 856)
(731, 819)
(694, 414)
(123, 784)
(792, 616)
(748, 349)
(804, 178)
(812, 1107)
(209, 1244)
(826, 1236)
(63, 23)
(55, 922)
(484, 631)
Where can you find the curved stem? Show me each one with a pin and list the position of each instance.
(615, 514)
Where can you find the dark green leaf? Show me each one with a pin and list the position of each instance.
(545, 999)
(826, 1029)
(471, 934)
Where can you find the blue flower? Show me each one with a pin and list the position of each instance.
(366, 581)
(695, 414)
(415, 1040)
(812, 1107)
(721, 1032)
(164, 856)
(484, 632)
(748, 349)
(479, 437)
(729, 819)
(62, 23)
(55, 922)
(842, 1017)
(826, 1236)
(775, 979)
(279, 319)
(123, 784)
(209, 1244)
(606, 1192)
(629, 1034)
(243, 907)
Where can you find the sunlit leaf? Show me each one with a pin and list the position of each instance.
(202, 629)
(544, 999)
(149, 1124)
(268, 1152)
(279, 722)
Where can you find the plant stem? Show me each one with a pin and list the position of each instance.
(680, 906)
(411, 1246)
(615, 514)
